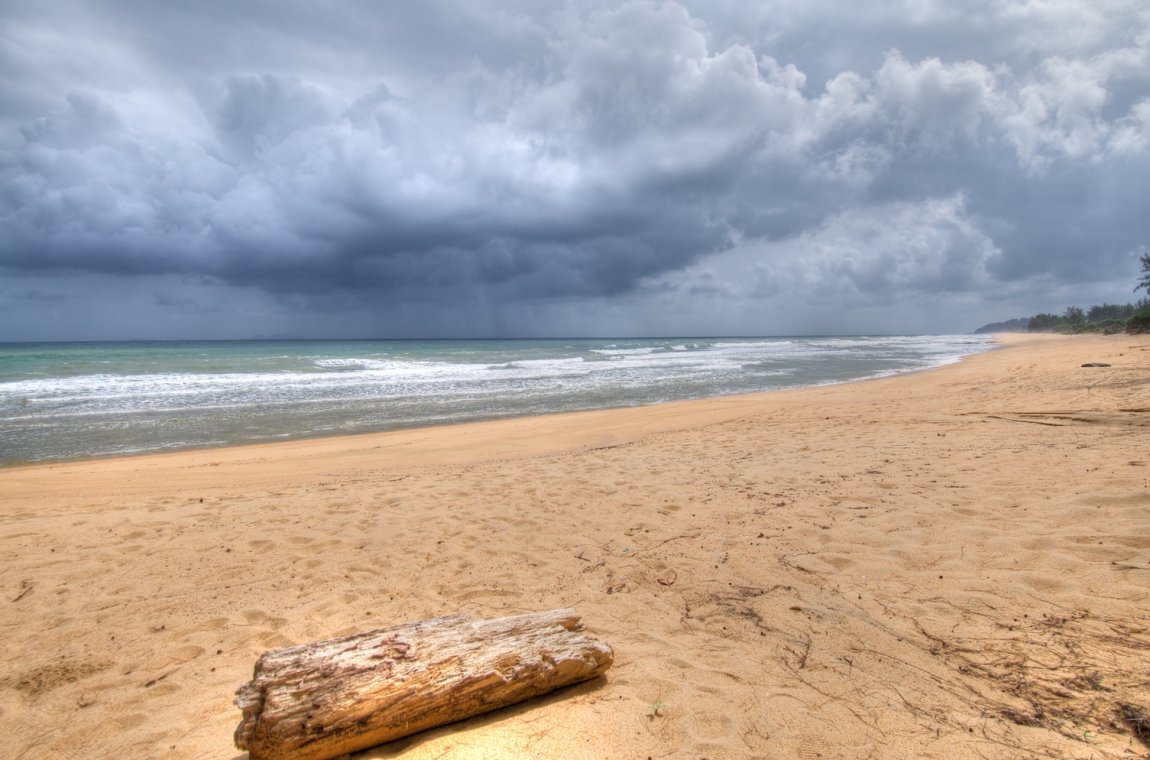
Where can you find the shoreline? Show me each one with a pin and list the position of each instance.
(303, 439)
(946, 563)
(198, 418)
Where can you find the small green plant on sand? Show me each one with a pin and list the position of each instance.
(653, 710)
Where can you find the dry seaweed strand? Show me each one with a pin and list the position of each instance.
(1066, 668)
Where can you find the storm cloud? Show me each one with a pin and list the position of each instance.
(439, 168)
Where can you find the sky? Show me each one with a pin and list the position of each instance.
(449, 168)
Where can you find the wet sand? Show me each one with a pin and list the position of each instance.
(948, 564)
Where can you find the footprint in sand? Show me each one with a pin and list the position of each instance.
(45, 678)
(172, 657)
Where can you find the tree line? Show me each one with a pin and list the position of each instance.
(1106, 318)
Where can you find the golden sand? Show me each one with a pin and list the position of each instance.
(949, 564)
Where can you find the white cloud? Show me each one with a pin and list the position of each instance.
(930, 103)
(927, 246)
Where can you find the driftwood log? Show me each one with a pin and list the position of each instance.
(328, 698)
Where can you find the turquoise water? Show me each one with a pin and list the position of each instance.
(73, 400)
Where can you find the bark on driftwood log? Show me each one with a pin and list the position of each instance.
(328, 698)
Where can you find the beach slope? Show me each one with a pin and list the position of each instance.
(948, 564)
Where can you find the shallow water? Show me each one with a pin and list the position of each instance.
(71, 400)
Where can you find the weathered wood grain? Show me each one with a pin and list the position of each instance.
(328, 698)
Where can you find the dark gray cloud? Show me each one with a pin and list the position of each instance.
(585, 167)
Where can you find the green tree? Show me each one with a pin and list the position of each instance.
(1044, 322)
(1074, 315)
(1145, 281)
(1109, 311)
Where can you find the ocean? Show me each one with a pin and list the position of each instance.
(63, 401)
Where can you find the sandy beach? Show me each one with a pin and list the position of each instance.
(948, 564)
